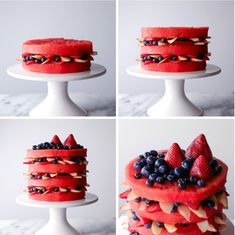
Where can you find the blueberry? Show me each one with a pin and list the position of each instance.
(30, 58)
(163, 169)
(163, 40)
(138, 199)
(138, 165)
(143, 59)
(146, 201)
(135, 217)
(145, 42)
(204, 202)
(134, 233)
(44, 190)
(55, 161)
(155, 60)
(217, 170)
(160, 58)
(39, 177)
(154, 153)
(149, 57)
(154, 42)
(146, 171)
(213, 163)
(140, 157)
(162, 155)
(182, 184)
(186, 164)
(153, 177)
(193, 179)
(160, 179)
(175, 206)
(79, 187)
(151, 160)
(143, 162)
(149, 182)
(56, 58)
(156, 170)
(148, 225)
(201, 183)
(179, 172)
(210, 204)
(34, 147)
(170, 178)
(174, 57)
(43, 59)
(147, 154)
(37, 61)
(40, 191)
(159, 162)
(30, 190)
(35, 189)
(160, 224)
(138, 175)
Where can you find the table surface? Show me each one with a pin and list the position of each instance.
(94, 104)
(212, 104)
(86, 226)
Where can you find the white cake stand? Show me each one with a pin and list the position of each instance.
(174, 101)
(58, 223)
(57, 102)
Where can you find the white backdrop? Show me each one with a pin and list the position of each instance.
(218, 15)
(138, 136)
(16, 136)
(91, 20)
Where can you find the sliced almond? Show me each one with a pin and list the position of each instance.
(47, 191)
(125, 207)
(166, 206)
(53, 175)
(218, 220)
(69, 162)
(61, 162)
(194, 39)
(203, 225)
(182, 58)
(222, 198)
(75, 191)
(36, 56)
(65, 59)
(45, 177)
(196, 60)
(161, 43)
(211, 228)
(39, 187)
(170, 41)
(80, 60)
(142, 206)
(77, 177)
(73, 174)
(46, 61)
(155, 56)
(199, 43)
(184, 211)
(200, 212)
(170, 228)
(131, 196)
(162, 61)
(155, 229)
(63, 189)
(50, 159)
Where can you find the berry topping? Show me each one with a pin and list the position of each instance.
(201, 168)
(198, 147)
(174, 156)
(70, 142)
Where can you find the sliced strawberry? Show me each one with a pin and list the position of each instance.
(201, 168)
(56, 140)
(199, 146)
(174, 156)
(124, 194)
(153, 208)
(70, 141)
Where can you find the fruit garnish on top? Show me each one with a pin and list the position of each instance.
(195, 166)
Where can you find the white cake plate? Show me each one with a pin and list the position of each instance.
(174, 101)
(58, 223)
(57, 102)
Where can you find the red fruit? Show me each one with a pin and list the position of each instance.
(56, 140)
(201, 168)
(124, 194)
(70, 141)
(174, 156)
(199, 146)
(153, 208)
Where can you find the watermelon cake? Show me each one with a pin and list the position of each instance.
(174, 49)
(57, 55)
(176, 192)
(56, 171)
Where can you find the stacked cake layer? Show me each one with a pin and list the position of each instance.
(56, 171)
(57, 55)
(174, 49)
(176, 192)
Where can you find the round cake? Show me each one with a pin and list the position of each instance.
(174, 49)
(176, 192)
(56, 171)
(57, 55)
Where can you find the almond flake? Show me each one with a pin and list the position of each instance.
(50, 159)
(222, 198)
(184, 211)
(142, 206)
(155, 56)
(196, 60)
(166, 206)
(170, 228)
(65, 59)
(45, 177)
(131, 196)
(73, 174)
(200, 212)
(199, 43)
(80, 60)
(77, 177)
(75, 190)
(125, 207)
(46, 61)
(194, 39)
(162, 61)
(53, 175)
(61, 162)
(69, 162)
(170, 41)
(203, 226)
(155, 229)
(63, 189)
(182, 58)
(37, 56)
(161, 43)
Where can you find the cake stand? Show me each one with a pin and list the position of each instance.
(174, 101)
(58, 223)
(58, 101)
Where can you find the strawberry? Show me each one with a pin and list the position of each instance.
(201, 168)
(174, 156)
(56, 140)
(199, 146)
(70, 142)
(124, 194)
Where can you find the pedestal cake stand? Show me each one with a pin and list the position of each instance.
(58, 223)
(57, 102)
(174, 101)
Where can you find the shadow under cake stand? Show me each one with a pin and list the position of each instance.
(58, 101)
(58, 223)
(174, 101)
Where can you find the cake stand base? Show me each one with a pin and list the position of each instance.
(174, 102)
(58, 223)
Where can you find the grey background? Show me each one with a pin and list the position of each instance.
(98, 136)
(91, 20)
(144, 135)
(218, 15)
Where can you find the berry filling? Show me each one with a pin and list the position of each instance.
(52, 145)
(45, 176)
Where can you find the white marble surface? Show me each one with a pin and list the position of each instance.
(94, 104)
(85, 226)
(212, 104)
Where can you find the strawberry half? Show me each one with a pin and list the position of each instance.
(124, 194)
(174, 156)
(70, 141)
(199, 146)
(56, 140)
(201, 168)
